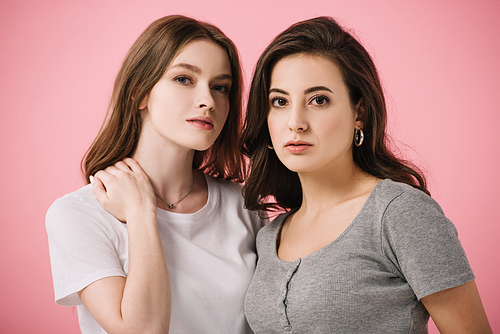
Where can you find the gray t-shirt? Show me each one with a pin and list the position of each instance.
(398, 249)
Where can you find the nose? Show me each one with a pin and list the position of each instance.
(204, 99)
(297, 121)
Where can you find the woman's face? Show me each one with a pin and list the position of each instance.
(189, 105)
(311, 119)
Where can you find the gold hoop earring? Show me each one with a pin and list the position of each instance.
(359, 137)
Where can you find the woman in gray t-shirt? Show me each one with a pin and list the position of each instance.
(362, 248)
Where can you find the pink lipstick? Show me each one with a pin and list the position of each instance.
(202, 122)
(297, 146)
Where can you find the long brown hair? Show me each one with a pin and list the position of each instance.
(144, 65)
(321, 37)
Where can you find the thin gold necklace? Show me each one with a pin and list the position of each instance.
(172, 205)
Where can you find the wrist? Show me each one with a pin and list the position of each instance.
(142, 217)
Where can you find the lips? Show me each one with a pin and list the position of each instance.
(202, 122)
(297, 146)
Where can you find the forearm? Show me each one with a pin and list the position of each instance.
(145, 305)
(139, 303)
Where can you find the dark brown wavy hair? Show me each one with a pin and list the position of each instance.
(272, 186)
(144, 65)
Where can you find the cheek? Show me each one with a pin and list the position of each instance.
(225, 106)
(159, 103)
(273, 124)
(338, 130)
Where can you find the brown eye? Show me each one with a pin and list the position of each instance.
(319, 100)
(278, 102)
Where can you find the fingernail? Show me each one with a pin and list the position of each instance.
(91, 179)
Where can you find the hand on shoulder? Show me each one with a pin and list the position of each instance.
(124, 190)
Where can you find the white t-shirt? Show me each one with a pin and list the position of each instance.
(210, 256)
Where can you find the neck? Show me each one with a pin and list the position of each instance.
(168, 166)
(332, 186)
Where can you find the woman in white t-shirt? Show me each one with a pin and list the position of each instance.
(162, 165)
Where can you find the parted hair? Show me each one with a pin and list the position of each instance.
(271, 185)
(143, 66)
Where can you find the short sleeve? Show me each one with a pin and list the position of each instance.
(423, 244)
(82, 247)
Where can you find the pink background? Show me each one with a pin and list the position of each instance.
(439, 62)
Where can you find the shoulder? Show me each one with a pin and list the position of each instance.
(421, 241)
(78, 209)
(266, 238)
(224, 193)
(413, 217)
(404, 200)
(407, 215)
(224, 185)
(227, 198)
(78, 200)
(269, 232)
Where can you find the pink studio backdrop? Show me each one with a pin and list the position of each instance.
(439, 65)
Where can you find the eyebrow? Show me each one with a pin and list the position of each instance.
(307, 91)
(224, 77)
(276, 90)
(195, 69)
(316, 88)
(192, 68)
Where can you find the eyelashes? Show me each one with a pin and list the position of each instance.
(221, 89)
(318, 100)
(278, 101)
(185, 80)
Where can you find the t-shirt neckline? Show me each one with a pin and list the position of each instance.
(209, 206)
(334, 241)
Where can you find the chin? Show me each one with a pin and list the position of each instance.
(202, 146)
(298, 168)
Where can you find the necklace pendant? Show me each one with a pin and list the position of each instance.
(172, 205)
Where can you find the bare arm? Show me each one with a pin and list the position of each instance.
(139, 303)
(458, 310)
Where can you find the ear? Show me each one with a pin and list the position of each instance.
(360, 113)
(144, 103)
